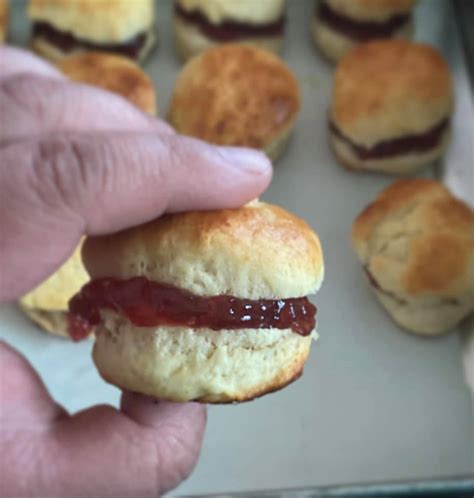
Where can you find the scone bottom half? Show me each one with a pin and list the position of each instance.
(205, 306)
(415, 242)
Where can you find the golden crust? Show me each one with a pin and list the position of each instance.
(388, 89)
(4, 15)
(235, 94)
(245, 11)
(257, 251)
(183, 364)
(371, 10)
(417, 241)
(113, 73)
(99, 21)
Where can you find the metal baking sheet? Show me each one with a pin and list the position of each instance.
(375, 403)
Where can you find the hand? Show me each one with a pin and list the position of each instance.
(76, 160)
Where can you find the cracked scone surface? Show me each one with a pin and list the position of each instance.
(416, 243)
(235, 94)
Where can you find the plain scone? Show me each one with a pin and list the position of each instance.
(416, 244)
(236, 94)
(258, 251)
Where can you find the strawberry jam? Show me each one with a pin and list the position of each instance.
(150, 304)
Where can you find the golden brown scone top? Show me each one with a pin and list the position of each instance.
(95, 20)
(388, 89)
(113, 73)
(3, 19)
(419, 239)
(371, 10)
(235, 95)
(256, 251)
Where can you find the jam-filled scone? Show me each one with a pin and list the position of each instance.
(201, 24)
(391, 107)
(236, 94)
(113, 73)
(208, 306)
(63, 27)
(339, 25)
(416, 245)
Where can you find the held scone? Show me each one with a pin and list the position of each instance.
(64, 27)
(209, 306)
(391, 107)
(47, 304)
(236, 94)
(114, 73)
(416, 245)
(340, 25)
(202, 24)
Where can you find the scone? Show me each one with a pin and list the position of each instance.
(113, 73)
(340, 25)
(47, 304)
(416, 245)
(202, 24)
(391, 107)
(209, 306)
(236, 94)
(4, 13)
(64, 27)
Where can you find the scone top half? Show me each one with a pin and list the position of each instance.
(210, 306)
(62, 27)
(416, 243)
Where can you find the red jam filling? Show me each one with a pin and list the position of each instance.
(360, 30)
(150, 304)
(229, 30)
(67, 42)
(402, 145)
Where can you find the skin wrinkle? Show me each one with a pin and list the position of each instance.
(67, 108)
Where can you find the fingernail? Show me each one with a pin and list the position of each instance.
(245, 159)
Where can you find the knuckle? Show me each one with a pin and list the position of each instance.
(61, 166)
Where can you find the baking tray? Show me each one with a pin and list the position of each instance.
(375, 404)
